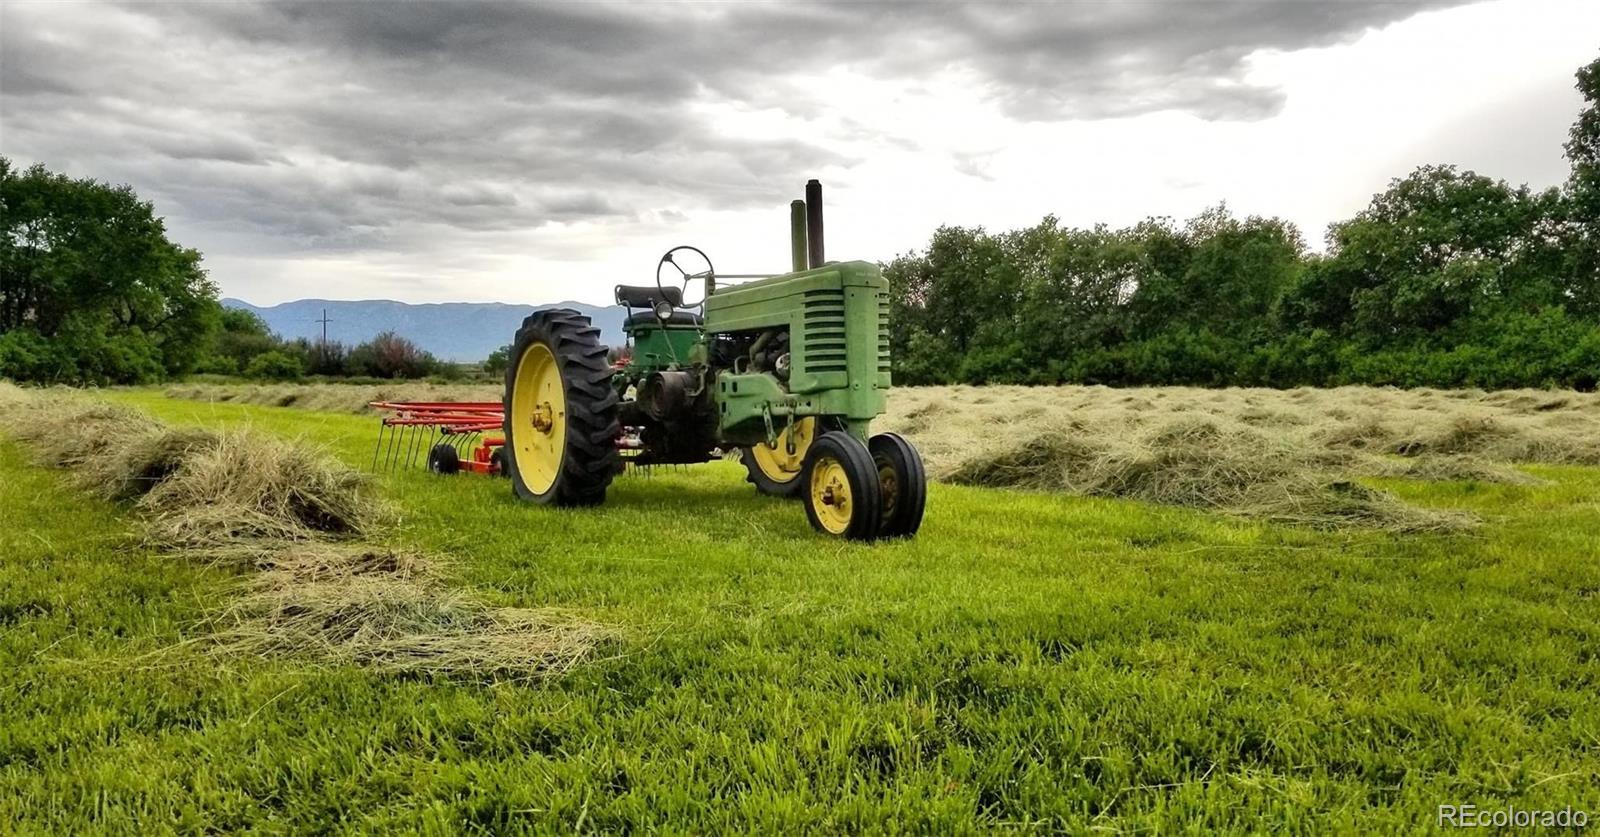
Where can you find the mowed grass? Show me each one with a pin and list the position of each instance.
(1031, 660)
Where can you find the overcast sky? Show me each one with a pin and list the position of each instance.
(542, 152)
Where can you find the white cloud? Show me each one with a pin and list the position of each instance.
(310, 151)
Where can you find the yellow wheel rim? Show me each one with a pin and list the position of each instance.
(775, 460)
(831, 498)
(538, 418)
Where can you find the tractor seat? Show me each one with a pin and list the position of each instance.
(646, 296)
(648, 318)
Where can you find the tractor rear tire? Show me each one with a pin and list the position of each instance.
(902, 482)
(841, 489)
(443, 459)
(560, 411)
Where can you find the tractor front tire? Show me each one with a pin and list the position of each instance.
(841, 489)
(902, 482)
(560, 411)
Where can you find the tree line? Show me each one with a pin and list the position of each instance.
(1448, 278)
(93, 292)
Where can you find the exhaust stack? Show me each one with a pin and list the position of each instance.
(797, 235)
(814, 223)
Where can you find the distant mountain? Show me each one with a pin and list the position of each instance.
(458, 331)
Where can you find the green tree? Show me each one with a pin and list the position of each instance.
(1217, 275)
(1074, 297)
(240, 337)
(1436, 249)
(498, 360)
(958, 293)
(93, 290)
(1583, 199)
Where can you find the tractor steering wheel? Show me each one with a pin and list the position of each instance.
(709, 274)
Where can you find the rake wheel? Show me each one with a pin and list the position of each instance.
(443, 459)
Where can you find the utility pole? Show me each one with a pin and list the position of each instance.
(324, 322)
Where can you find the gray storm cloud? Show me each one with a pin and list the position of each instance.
(333, 125)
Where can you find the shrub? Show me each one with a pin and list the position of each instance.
(390, 356)
(275, 366)
(26, 356)
(323, 358)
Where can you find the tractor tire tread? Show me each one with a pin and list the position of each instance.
(590, 459)
(906, 518)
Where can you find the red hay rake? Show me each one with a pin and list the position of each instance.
(460, 429)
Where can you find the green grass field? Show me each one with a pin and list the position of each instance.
(1030, 661)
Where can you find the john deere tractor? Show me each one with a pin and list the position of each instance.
(789, 370)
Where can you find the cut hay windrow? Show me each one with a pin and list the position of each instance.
(289, 511)
(199, 489)
(1285, 455)
(1290, 456)
(333, 398)
(1199, 463)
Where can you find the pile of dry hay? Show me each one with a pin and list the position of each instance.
(233, 491)
(289, 511)
(1291, 455)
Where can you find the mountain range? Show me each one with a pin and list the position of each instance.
(455, 331)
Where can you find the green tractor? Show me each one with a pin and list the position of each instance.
(789, 370)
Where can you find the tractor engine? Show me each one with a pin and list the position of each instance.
(669, 414)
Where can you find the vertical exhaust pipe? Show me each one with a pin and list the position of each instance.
(814, 222)
(797, 235)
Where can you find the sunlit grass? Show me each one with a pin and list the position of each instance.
(1030, 659)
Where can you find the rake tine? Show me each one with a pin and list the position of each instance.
(377, 447)
(388, 456)
(400, 449)
(418, 440)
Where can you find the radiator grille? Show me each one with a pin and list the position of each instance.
(883, 332)
(824, 330)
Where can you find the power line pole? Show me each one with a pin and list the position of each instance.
(324, 322)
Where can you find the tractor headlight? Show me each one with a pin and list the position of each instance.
(663, 310)
(780, 367)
